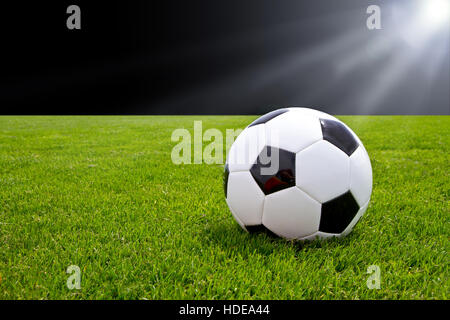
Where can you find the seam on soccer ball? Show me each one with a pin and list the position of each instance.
(309, 145)
(319, 202)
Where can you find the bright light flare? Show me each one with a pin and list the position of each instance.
(436, 13)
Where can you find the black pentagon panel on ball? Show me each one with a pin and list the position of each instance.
(338, 213)
(269, 116)
(260, 228)
(274, 170)
(226, 173)
(337, 134)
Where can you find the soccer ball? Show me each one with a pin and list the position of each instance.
(298, 173)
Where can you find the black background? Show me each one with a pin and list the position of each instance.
(187, 57)
(279, 309)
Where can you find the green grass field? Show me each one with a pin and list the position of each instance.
(102, 193)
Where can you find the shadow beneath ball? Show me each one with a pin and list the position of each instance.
(330, 243)
(261, 240)
(230, 236)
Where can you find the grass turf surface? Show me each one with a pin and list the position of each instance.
(103, 194)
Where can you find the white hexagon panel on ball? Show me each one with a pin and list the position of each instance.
(322, 171)
(293, 131)
(246, 148)
(245, 198)
(291, 213)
